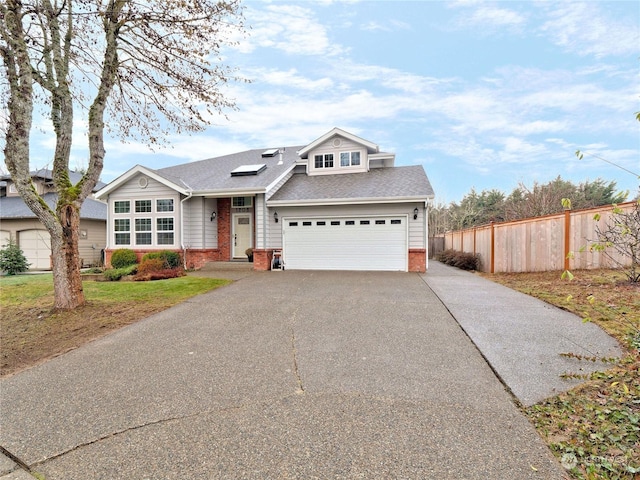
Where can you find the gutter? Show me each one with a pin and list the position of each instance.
(346, 201)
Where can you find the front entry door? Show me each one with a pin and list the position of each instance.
(241, 235)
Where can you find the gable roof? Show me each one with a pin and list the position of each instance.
(371, 147)
(167, 180)
(15, 208)
(213, 175)
(379, 185)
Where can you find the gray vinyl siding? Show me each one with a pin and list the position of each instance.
(154, 190)
(417, 228)
(345, 146)
(262, 222)
(199, 231)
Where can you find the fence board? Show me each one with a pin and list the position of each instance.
(538, 244)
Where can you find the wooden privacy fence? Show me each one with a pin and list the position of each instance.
(539, 244)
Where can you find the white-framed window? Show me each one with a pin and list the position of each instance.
(239, 202)
(349, 159)
(323, 161)
(165, 230)
(143, 222)
(121, 206)
(143, 231)
(164, 205)
(122, 228)
(143, 206)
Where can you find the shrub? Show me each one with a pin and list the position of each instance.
(462, 260)
(12, 259)
(115, 274)
(170, 259)
(446, 256)
(149, 265)
(466, 261)
(155, 267)
(123, 257)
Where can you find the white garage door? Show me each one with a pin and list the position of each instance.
(5, 236)
(358, 243)
(36, 246)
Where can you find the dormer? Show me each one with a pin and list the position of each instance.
(339, 152)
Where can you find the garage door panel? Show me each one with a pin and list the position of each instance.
(36, 246)
(346, 244)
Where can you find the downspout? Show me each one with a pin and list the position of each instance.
(182, 245)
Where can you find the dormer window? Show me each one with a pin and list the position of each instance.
(349, 159)
(323, 161)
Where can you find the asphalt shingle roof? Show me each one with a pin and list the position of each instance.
(393, 182)
(215, 173)
(14, 207)
(47, 174)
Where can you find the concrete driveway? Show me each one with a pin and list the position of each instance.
(278, 375)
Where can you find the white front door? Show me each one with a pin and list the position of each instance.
(241, 234)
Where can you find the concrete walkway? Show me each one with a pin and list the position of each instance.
(282, 375)
(521, 337)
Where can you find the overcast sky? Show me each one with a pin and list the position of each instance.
(483, 94)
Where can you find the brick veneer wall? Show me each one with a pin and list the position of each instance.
(262, 259)
(224, 229)
(417, 260)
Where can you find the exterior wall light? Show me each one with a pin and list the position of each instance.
(415, 213)
(213, 216)
(275, 217)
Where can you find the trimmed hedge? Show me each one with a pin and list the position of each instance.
(462, 260)
(123, 257)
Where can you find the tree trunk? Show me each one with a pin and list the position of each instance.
(67, 282)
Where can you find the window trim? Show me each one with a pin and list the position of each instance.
(133, 217)
(350, 163)
(115, 202)
(249, 205)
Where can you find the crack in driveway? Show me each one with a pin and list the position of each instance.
(294, 354)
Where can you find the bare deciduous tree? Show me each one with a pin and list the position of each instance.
(137, 62)
(621, 233)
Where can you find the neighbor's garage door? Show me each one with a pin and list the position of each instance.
(36, 246)
(359, 243)
(5, 236)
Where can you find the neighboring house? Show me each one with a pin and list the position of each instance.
(337, 203)
(17, 221)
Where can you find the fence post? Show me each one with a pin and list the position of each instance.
(567, 237)
(493, 247)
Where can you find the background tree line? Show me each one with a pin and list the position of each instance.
(523, 202)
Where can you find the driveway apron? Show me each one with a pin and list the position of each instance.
(278, 375)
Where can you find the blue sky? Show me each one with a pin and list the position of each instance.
(483, 94)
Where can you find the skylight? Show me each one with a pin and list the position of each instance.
(248, 170)
(272, 152)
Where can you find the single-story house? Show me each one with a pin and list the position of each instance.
(337, 203)
(18, 222)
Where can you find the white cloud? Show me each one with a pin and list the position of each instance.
(388, 26)
(583, 28)
(290, 78)
(293, 29)
(488, 17)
